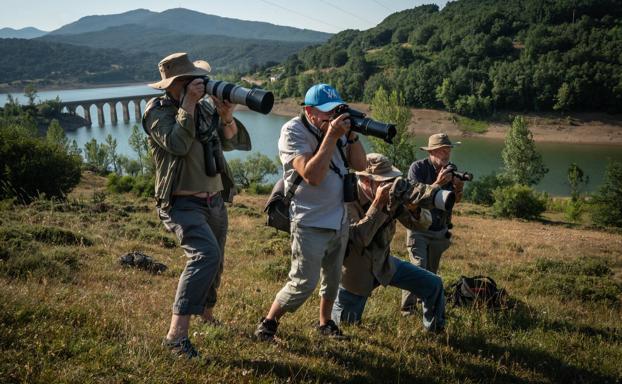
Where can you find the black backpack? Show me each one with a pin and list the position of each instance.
(477, 291)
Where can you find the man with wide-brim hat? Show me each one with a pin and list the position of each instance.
(369, 262)
(188, 131)
(425, 246)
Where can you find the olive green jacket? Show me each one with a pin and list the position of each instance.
(367, 262)
(171, 132)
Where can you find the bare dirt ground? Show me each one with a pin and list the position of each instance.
(584, 128)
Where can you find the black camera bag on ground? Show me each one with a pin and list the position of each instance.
(477, 291)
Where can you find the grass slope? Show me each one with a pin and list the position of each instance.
(70, 313)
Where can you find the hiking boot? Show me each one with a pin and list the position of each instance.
(266, 329)
(331, 329)
(181, 347)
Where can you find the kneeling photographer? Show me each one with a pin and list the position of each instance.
(382, 200)
(425, 246)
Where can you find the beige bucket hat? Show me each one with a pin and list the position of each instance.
(179, 65)
(379, 168)
(439, 140)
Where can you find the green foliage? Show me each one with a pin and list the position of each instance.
(30, 167)
(97, 156)
(389, 108)
(576, 180)
(56, 135)
(518, 201)
(470, 125)
(477, 57)
(31, 94)
(608, 199)
(480, 190)
(138, 141)
(253, 170)
(139, 185)
(523, 164)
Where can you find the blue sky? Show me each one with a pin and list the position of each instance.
(321, 15)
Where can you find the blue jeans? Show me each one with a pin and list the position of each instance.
(349, 307)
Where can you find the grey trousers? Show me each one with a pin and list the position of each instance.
(317, 255)
(201, 228)
(425, 252)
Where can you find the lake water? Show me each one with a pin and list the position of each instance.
(479, 156)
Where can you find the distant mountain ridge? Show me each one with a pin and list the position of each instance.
(23, 33)
(187, 21)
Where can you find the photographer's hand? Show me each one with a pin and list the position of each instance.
(444, 177)
(225, 111)
(194, 93)
(338, 126)
(381, 198)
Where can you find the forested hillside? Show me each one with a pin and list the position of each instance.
(475, 57)
(44, 62)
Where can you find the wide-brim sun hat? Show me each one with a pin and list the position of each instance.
(323, 97)
(379, 168)
(178, 65)
(439, 140)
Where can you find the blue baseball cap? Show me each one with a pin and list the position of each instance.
(323, 97)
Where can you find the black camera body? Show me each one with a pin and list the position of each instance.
(256, 99)
(464, 176)
(366, 126)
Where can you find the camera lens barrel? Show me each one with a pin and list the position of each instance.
(256, 99)
(369, 127)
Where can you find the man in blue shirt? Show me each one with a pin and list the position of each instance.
(425, 247)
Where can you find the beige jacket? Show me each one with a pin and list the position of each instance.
(171, 132)
(367, 262)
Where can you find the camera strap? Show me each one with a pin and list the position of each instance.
(290, 192)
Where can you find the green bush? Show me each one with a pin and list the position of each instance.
(141, 186)
(260, 189)
(518, 201)
(607, 209)
(30, 167)
(480, 190)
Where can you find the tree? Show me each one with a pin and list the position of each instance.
(31, 93)
(608, 200)
(253, 170)
(576, 179)
(522, 163)
(56, 135)
(564, 98)
(96, 156)
(111, 149)
(138, 142)
(390, 109)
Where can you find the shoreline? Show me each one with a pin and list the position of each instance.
(578, 128)
(68, 87)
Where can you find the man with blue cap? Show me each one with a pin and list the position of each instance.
(316, 149)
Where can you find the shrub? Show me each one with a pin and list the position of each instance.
(30, 167)
(518, 201)
(141, 186)
(608, 200)
(253, 170)
(480, 190)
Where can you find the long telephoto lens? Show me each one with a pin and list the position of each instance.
(369, 127)
(256, 99)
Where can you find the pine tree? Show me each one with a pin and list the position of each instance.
(56, 135)
(522, 163)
